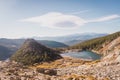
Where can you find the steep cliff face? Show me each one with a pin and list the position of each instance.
(110, 47)
(112, 52)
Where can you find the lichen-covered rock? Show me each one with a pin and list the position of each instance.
(47, 71)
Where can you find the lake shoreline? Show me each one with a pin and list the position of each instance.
(77, 58)
(84, 55)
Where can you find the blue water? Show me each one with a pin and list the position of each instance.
(83, 55)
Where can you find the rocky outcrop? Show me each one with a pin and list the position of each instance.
(47, 71)
(111, 52)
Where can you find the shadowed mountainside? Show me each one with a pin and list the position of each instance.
(4, 53)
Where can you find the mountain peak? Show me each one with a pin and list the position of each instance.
(33, 52)
(32, 44)
(30, 40)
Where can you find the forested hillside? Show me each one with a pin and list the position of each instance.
(97, 43)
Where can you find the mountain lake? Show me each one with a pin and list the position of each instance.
(87, 55)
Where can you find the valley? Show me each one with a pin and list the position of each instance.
(33, 61)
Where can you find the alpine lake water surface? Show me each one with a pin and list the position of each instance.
(87, 55)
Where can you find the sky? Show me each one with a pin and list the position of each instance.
(30, 18)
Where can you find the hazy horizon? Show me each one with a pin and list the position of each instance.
(51, 36)
(49, 18)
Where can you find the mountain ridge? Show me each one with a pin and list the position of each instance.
(78, 36)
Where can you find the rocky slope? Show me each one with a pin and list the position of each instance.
(62, 69)
(33, 52)
(111, 52)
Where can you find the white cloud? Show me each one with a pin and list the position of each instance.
(60, 20)
(106, 18)
(56, 19)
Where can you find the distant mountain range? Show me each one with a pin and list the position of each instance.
(74, 38)
(16, 43)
